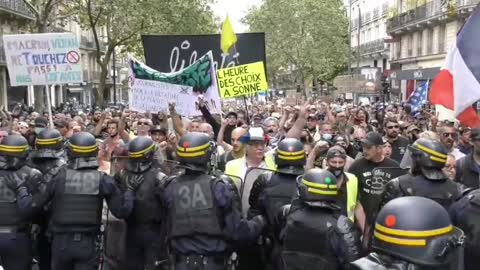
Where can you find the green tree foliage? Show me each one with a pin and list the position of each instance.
(120, 23)
(307, 37)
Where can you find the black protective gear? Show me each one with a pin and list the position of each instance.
(429, 158)
(80, 201)
(140, 154)
(376, 261)
(11, 182)
(82, 145)
(465, 214)
(443, 192)
(134, 181)
(336, 240)
(290, 156)
(195, 211)
(276, 189)
(48, 144)
(318, 185)
(194, 151)
(417, 230)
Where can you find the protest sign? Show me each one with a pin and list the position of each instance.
(242, 80)
(170, 53)
(200, 76)
(43, 59)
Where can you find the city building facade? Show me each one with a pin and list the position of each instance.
(422, 32)
(15, 18)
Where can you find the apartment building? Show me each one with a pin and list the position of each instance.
(15, 18)
(423, 31)
(368, 20)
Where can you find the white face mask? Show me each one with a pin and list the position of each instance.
(327, 136)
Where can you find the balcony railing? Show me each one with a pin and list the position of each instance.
(90, 44)
(371, 47)
(422, 13)
(17, 7)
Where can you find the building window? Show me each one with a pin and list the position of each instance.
(399, 50)
(441, 39)
(375, 63)
(410, 45)
(429, 41)
(419, 43)
(384, 64)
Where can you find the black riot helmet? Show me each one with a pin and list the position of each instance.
(290, 156)
(429, 157)
(318, 185)
(82, 144)
(140, 154)
(417, 230)
(48, 144)
(194, 150)
(13, 152)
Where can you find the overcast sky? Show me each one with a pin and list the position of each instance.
(236, 9)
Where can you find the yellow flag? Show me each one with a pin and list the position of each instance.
(228, 36)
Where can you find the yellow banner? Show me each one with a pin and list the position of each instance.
(242, 80)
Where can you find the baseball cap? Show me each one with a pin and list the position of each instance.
(336, 151)
(41, 122)
(373, 138)
(160, 129)
(255, 134)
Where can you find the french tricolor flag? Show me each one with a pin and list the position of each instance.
(457, 86)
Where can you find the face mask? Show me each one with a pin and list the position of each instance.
(327, 137)
(336, 171)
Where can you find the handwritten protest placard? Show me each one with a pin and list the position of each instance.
(242, 80)
(41, 59)
(154, 96)
(200, 76)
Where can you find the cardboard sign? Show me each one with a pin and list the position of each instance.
(186, 84)
(43, 59)
(242, 80)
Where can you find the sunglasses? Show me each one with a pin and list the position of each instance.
(392, 127)
(142, 123)
(452, 135)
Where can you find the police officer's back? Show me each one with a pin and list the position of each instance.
(426, 178)
(465, 214)
(315, 234)
(203, 211)
(77, 194)
(48, 157)
(17, 182)
(412, 233)
(274, 189)
(144, 234)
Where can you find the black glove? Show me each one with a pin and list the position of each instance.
(13, 181)
(134, 181)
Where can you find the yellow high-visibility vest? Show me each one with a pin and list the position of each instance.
(352, 192)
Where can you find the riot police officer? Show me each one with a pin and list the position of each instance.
(411, 233)
(465, 214)
(48, 159)
(274, 189)
(203, 211)
(315, 234)
(426, 178)
(77, 194)
(17, 181)
(144, 234)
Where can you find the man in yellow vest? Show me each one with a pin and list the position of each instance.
(347, 184)
(255, 157)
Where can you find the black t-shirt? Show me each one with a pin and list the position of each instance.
(399, 148)
(370, 187)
